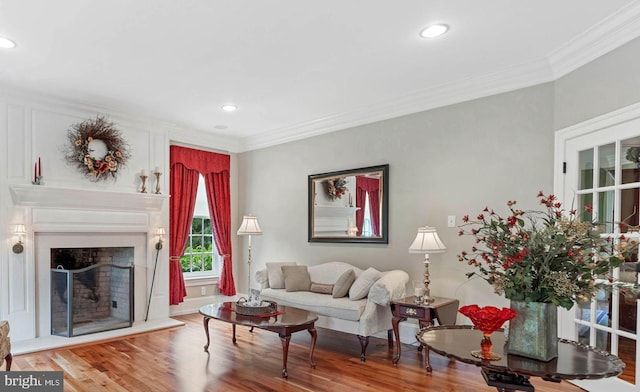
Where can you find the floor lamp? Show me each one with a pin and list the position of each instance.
(250, 227)
(427, 242)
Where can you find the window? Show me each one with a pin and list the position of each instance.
(367, 231)
(201, 255)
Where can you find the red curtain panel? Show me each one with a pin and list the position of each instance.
(186, 164)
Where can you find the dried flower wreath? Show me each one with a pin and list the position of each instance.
(85, 137)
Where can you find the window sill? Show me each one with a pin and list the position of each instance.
(201, 280)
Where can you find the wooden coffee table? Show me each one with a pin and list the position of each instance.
(289, 321)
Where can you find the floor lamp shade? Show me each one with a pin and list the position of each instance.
(249, 226)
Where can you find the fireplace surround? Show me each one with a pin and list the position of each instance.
(58, 217)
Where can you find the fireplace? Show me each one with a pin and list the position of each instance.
(59, 217)
(91, 290)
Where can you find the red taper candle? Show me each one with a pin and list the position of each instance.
(39, 167)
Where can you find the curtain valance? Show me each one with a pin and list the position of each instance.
(204, 162)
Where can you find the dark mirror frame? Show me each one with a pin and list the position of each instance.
(383, 238)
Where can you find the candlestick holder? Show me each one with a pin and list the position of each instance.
(144, 184)
(158, 174)
(38, 181)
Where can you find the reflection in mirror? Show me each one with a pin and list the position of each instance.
(97, 149)
(349, 205)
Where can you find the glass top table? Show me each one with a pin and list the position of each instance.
(511, 372)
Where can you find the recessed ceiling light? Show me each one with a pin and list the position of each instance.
(6, 43)
(229, 108)
(433, 31)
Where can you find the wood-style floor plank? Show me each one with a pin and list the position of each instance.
(174, 360)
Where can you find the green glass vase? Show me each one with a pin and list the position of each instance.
(533, 333)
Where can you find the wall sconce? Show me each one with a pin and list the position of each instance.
(160, 233)
(18, 247)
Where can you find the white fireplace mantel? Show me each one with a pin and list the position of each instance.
(82, 198)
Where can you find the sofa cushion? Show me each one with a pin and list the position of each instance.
(274, 271)
(341, 308)
(360, 288)
(321, 288)
(331, 271)
(296, 277)
(343, 284)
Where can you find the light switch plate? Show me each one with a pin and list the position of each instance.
(451, 221)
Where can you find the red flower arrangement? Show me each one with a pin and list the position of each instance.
(488, 319)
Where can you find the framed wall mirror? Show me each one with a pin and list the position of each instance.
(350, 206)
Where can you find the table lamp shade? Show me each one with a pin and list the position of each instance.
(249, 226)
(427, 241)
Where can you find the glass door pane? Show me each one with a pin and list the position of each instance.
(607, 165)
(585, 170)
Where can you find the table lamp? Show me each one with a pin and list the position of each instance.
(427, 242)
(250, 227)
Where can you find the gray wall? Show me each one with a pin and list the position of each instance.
(453, 160)
(608, 83)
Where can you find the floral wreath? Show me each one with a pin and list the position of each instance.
(336, 187)
(78, 152)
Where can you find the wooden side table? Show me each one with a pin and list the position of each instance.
(442, 309)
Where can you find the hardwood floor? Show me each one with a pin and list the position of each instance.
(174, 360)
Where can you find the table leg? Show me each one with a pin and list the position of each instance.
(285, 338)
(427, 360)
(314, 336)
(424, 324)
(206, 332)
(233, 339)
(396, 332)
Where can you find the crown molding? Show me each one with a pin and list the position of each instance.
(611, 33)
(176, 132)
(607, 35)
(509, 79)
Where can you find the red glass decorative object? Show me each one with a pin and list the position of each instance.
(487, 319)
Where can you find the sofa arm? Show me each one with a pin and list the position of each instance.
(390, 286)
(262, 278)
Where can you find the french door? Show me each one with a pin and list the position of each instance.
(598, 164)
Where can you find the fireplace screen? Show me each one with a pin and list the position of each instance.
(91, 290)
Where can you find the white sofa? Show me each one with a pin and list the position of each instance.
(362, 317)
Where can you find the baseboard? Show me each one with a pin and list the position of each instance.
(407, 332)
(193, 305)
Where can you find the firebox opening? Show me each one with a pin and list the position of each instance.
(91, 290)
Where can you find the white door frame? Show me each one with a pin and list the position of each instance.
(585, 129)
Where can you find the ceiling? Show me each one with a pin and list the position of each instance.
(296, 68)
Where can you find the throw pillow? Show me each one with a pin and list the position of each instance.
(321, 288)
(360, 288)
(274, 272)
(343, 284)
(296, 277)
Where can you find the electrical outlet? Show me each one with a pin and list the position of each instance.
(203, 290)
(451, 221)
